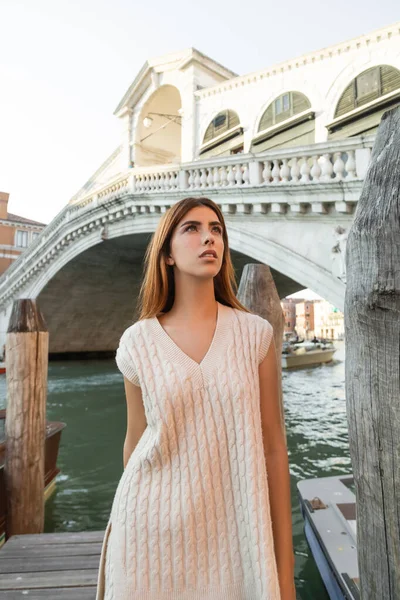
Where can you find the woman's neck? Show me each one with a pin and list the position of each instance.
(194, 301)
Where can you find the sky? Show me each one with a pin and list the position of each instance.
(65, 65)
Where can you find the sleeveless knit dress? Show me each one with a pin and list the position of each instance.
(190, 519)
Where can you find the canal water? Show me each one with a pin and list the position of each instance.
(89, 397)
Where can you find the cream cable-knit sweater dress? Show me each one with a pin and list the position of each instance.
(190, 519)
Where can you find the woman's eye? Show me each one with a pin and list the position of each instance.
(218, 228)
(189, 226)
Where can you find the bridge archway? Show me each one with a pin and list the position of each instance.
(158, 132)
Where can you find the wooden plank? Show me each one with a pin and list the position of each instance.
(27, 564)
(75, 537)
(67, 593)
(45, 550)
(51, 579)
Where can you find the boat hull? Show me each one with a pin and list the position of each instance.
(307, 359)
(52, 444)
(328, 508)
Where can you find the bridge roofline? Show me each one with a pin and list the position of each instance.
(168, 62)
(328, 52)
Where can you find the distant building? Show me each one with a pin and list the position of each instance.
(16, 234)
(305, 319)
(289, 311)
(309, 318)
(328, 321)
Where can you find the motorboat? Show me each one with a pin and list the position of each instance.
(328, 506)
(306, 354)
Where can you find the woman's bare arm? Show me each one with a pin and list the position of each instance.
(136, 418)
(277, 462)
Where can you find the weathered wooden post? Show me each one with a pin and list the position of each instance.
(258, 293)
(27, 346)
(372, 326)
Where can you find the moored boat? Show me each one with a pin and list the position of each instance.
(2, 367)
(52, 444)
(328, 506)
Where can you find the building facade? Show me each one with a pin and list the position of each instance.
(305, 319)
(16, 234)
(328, 321)
(289, 311)
(309, 318)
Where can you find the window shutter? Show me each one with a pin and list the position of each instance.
(389, 82)
(300, 103)
(346, 102)
(297, 104)
(267, 120)
(224, 121)
(390, 79)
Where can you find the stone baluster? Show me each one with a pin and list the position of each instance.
(139, 183)
(295, 170)
(164, 181)
(276, 171)
(168, 180)
(231, 175)
(203, 178)
(197, 180)
(216, 178)
(338, 166)
(267, 172)
(315, 169)
(351, 165)
(327, 168)
(305, 171)
(285, 171)
(191, 179)
(224, 176)
(246, 174)
(238, 175)
(210, 178)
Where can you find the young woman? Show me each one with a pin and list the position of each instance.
(202, 510)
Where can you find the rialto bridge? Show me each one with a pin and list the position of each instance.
(283, 151)
(290, 209)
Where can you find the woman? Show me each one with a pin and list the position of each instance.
(195, 516)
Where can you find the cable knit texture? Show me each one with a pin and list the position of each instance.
(190, 519)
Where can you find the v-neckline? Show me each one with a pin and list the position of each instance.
(176, 351)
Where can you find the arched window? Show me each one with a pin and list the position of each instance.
(282, 108)
(368, 86)
(288, 121)
(223, 135)
(364, 101)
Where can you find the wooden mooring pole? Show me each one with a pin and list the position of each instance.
(372, 326)
(27, 346)
(258, 293)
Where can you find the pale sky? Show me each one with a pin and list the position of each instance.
(65, 65)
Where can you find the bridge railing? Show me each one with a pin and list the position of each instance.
(329, 162)
(333, 162)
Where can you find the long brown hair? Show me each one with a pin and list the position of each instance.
(157, 292)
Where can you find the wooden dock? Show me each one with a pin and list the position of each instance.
(60, 566)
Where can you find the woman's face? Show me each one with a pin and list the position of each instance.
(199, 231)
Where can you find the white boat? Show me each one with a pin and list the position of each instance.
(328, 506)
(306, 354)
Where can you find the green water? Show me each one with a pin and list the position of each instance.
(89, 397)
